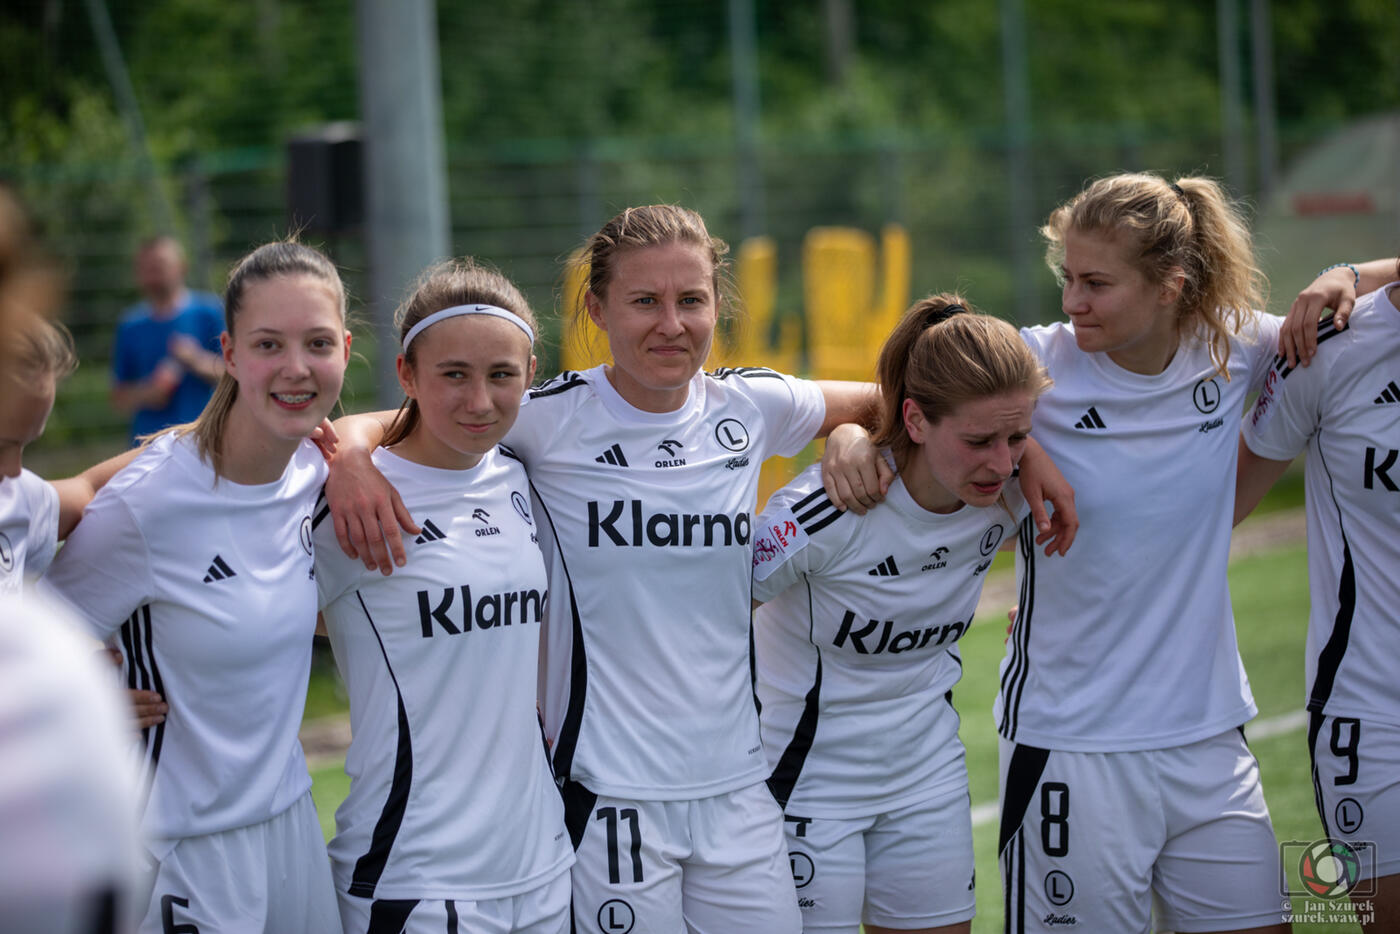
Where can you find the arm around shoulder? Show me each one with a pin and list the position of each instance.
(74, 493)
(849, 402)
(104, 571)
(1337, 287)
(367, 510)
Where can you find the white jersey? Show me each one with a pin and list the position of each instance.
(857, 644)
(68, 791)
(1345, 409)
(210, 584)
(28, 529)
(441, 662)
(645, 521)
(1128, 641)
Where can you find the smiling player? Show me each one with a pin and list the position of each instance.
(452, 821)
(200, 555)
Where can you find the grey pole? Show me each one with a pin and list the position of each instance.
(743, 63)
(1231, 95)
(1016, 92)
(406, 210)
(1265, 113)
(115, 66)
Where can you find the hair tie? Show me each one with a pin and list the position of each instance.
(939, 315)
(459, 310)
(1180, 194)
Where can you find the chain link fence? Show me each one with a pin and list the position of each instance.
(526, 206)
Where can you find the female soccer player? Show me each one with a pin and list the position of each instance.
(1124, 772)
(67, 790)
(856, 648)
(452, 821)
(1344, 409)
(33, 516)
(644, 472)
(36, 514)
(200, 553)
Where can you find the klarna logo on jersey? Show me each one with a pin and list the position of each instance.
(861, 634)
(455, 612)
(626, 524)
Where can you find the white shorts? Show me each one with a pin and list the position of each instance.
(1356, 777)
(908, 868)
(713, 865)
(272, 877)
(1088, 839)
(542, 910)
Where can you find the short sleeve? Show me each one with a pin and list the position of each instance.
(1289, 409)
(103, 571)
(793, 409)
(1262, 342)
(1037, 338)
(1015, 501)
(42, 539)
(783, 552)
(336, 572)
(529, 437)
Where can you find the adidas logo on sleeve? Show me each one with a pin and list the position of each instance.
(1390, 394)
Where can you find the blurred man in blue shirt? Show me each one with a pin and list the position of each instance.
(166, 358)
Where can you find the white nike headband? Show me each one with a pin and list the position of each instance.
(457, 310)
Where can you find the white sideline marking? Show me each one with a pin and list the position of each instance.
(1258, 729)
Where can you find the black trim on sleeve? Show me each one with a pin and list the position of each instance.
(815, 511)
(561, 383)
(1325, 332)
(321, 509)
(747, 372)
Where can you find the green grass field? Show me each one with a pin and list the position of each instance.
(1270, 596)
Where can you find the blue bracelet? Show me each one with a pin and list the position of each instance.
(1356, 284)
